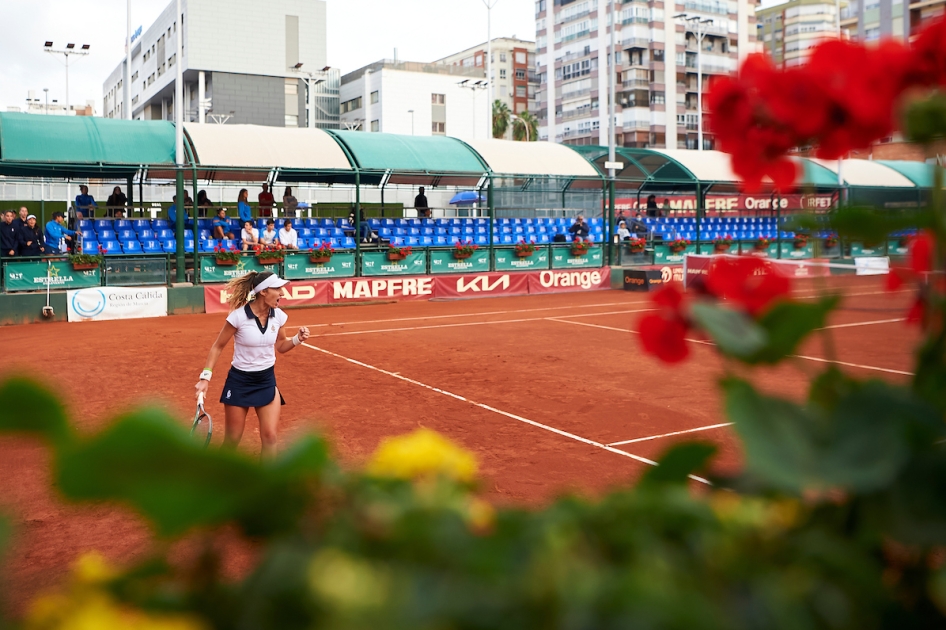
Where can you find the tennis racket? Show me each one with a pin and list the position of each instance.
(203, 427)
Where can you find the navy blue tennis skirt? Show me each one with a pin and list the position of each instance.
(250, 389)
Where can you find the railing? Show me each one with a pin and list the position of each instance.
(579, 113)
(636, 42)
(631, 83)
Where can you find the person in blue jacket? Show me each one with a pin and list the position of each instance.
(243, 206)
(9, 235)
(85, 203)
(58, 236)
(172, 213)
(31, 239)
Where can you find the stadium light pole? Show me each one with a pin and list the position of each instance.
(489, 63)
(179, 206)
(700, 32)
(411, 112)
(69, 50)
(473, 87)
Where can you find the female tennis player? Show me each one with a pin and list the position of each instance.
(256, 326)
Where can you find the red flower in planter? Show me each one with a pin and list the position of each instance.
(663, 334)
(752, 282)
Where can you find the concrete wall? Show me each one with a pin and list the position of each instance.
(253, 99)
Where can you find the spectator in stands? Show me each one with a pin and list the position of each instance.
(579, 229)
(623, 233)
(172, 212)
(244, 210)
(8, 235)
(115, 201)
(58, 237)
(420, 203)
(367, 236)
(203, 203)
(85, 203)
(269, 235)
(30, 238)
(289, 203)
(652, 206)
(249, 235)
(266, 201)
(119, 213)
(288, 237)
(637, 226)
(665, 208)
(20, 220)
(221, 226)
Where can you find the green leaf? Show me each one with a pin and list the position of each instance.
(868, 225)
(26, 407)
(861, 446)
(786, 324)
(148, 461)
(732, 331)
(679, 462)
(925, 120)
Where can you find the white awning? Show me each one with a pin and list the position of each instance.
(867, 173)
(257, 146)
(506, 157)
(707, 166)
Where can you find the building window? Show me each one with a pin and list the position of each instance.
(657, 98)
(134, 77)
(438, 128)
(172, 60)
(438, 99)
(350, 106)
(502, 90)
(521, 58)
(292, 89)
(375, 125)
(520, 74)
(521, 91)
(134, 100)
(502, 73)
(292, 121)
(374, 97)
(657, 54)
(502, 57)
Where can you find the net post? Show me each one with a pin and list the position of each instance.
(699, 204)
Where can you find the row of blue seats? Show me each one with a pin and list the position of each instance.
(712, 220)
(169, 246)
(706, 236)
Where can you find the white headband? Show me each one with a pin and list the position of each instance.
(271, 282)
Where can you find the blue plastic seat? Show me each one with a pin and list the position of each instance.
(106, 235)
(121, 224)
(426, 241)
(440, 241)
(102, 224)
(111, 247)
(87, 234)
(131, 247)
(90, 246)
(85, 224)
(164, 234)
(145, 234)
(207, 246)
(169, 245)
(158, 224)
(481, 239)
(346, 242)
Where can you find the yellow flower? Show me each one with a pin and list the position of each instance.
(348, 582)
(86, 605)
(481, 516)
(420, 454)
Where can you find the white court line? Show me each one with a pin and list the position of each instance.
(856, 324)
(463, 324)
(657, 437)
(512, 416)
(524, 310)
(710, 343)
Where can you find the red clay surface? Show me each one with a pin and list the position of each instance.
(568, 361)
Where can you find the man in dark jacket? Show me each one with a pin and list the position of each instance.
(20, 220)
(8, 235)
(31, 239)
(579, 230)
(421, 205)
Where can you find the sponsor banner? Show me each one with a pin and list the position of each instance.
(443, 261)
(790, 253)
(897, 248)
(565, 280)
(695, 269)
(377, 264)
(296, 293)
(33, 276)
(858, 250)
(734, 202)
(872, 266)
(506, 260)
(483, 285)
(361, 289)
(210, 271)
(663, 255)
(299, 267)
(643, 279)
(102, 303)
(562, 258)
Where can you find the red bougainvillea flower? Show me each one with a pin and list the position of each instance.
(921, 252)
(929, 55)
(663, 334)
(752, 282)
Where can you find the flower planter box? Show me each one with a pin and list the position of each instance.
(320, 260)
(524, 254)
(800, 244)
(760, 247)
(577, 253)
(462, 256)
(721, 248)
(676, 249)
(396, 257)
(226, 262)
(269, 261)
(636, 250)
(85, 266)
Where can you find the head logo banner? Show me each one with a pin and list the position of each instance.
(116, 303)
(296, 293)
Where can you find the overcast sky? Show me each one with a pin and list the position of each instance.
(359, 32)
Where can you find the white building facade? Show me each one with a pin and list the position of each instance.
(241, 64)
(419, 99)
(513, 65)
(655, 74)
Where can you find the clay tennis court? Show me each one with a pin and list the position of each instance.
(551, 392)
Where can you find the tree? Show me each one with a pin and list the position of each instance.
(501, 115)
(525, 127)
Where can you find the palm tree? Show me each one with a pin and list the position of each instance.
(500, 118)
(525, 127)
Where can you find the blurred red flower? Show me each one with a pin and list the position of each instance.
(663, 334)
(748, 280)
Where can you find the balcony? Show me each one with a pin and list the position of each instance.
(636, 42)
(579, 113)
(574, 133)
(636, 83)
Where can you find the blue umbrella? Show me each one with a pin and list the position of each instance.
(467, 198)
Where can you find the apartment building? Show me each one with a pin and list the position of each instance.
(243, 62)
(869, 20)
(513, 65)
(789, 30)
(411, 98)
(656, 55)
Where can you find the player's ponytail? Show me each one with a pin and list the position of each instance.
(239, 290)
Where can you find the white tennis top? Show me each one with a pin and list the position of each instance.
(254, 350)
(289, 237)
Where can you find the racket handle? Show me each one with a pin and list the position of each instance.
(200, 399)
